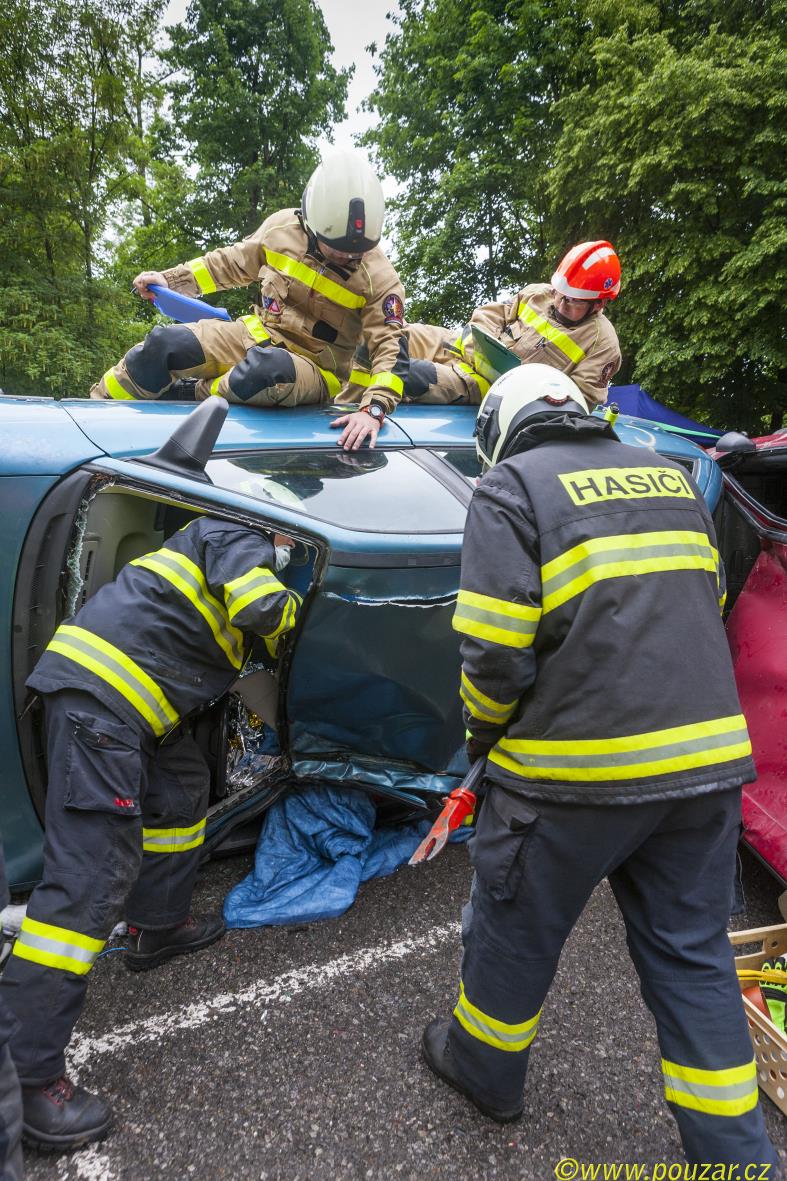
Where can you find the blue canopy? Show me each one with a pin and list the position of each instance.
(632, 399)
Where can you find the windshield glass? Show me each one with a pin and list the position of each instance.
(374, 491)
(464, 460)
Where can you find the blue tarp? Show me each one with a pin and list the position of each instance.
(315, 849)
(632, 399)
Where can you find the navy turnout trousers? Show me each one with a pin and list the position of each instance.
(670, 866)
(125, 819)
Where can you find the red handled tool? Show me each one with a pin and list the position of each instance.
(460, 804)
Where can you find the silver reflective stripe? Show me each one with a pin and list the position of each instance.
(623, 554)
(705, 742)
(233, 641)
(522, 627)
(56, 947)
(250, 591)
(117, 673)
(709, 1090)
(492, 711)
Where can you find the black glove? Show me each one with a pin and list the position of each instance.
(476, 749)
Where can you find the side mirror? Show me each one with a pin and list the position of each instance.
(735, 441)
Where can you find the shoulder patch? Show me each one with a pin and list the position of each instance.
(606, 373)
(393, 310)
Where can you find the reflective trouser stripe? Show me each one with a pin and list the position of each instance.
(332, 381)
(202, 275)
(311, 278)
(56, 947)
(481, 382)
(388, 381)
(187, 577)
(502, 622)
(256, 328)
(635, 756)
(727, 1092)
(115, 389)
(483, 707)
(173, 840)
(498, 1034)
(118, 670)
(549, 332)
(624, 555)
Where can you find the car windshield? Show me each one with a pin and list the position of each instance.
(373, 491)
(464, 460)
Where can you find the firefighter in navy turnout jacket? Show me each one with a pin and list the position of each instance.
(561, 323)
(324, 284)
(597, 678)
(128, 787)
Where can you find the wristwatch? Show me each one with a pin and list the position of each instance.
(376, 411)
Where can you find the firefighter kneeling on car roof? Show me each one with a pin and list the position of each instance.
(598, 685)
(128, 787)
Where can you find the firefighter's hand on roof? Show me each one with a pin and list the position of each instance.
(357, 427)
(143, 281)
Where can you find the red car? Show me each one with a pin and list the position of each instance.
(752, 526)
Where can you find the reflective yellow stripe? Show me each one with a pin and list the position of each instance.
(729, 1092)
(118, 670)
(390, 381)
(360, 377)
(256, 328)
(481, 382)
(286, 622)
(115, 389)
(551, 333)
(174, 840)
(499, 1034)
(311, 278)
(228, 638)
(483, 707)
(332, 382)
(623, 555)
(255, 584)
(56, 947)
(502, 622)
(202, 275)
(633, 756)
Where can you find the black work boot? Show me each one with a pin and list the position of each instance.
(148, 949)
(61, 1115)
(437, 1056)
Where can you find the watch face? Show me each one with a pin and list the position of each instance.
(377, 412)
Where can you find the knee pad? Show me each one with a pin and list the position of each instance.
(263, 367)
(421, 376)
(150, 364)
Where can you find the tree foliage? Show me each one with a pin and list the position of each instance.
(655, 123)
(253, 89)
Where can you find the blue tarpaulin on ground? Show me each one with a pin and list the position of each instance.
(632, 399)
(315, 849)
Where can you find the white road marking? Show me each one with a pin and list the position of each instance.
(282, 989)
(94, 1163)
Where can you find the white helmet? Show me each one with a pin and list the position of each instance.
(343, 202)
(516, 397)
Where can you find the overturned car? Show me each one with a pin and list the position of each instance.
(365, 693)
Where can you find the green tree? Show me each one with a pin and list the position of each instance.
(253, 89)
(677, 146)
(66, 156)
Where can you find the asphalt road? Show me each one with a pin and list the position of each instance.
(292, 1054)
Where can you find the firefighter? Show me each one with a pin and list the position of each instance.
(324, 283)
(11, 1167)
(128, 787)
(597, 680)
(561, 324)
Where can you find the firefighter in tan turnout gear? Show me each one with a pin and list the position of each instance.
(561, 324)
(324, 284)
(128, 787)
(597, 679)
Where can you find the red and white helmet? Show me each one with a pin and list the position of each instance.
(590, 270)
